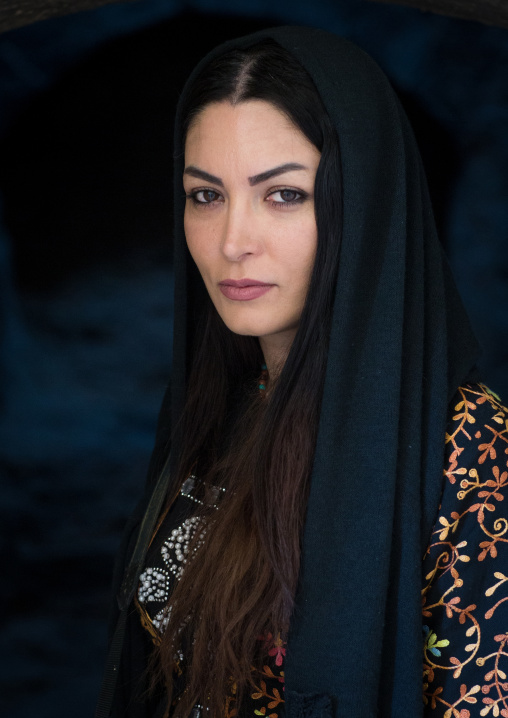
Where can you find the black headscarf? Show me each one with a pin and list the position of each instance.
(400, 346)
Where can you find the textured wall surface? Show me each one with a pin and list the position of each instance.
(491, 12)
(16, 13)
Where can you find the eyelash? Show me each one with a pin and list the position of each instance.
(301, 197)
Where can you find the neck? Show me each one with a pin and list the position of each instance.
(275, 350)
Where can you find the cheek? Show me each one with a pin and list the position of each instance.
(202, 235)
(189, 234)
(196, 243)
(301, 254)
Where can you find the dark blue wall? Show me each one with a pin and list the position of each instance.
(85, 277)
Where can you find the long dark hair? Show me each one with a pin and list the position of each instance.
(240, 584)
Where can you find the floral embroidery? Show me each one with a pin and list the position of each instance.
(268, 693)
(265, 699)
(276, 648)
(465, 594)
(431, 642)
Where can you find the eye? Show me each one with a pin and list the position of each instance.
(204, 196)
(286, 197)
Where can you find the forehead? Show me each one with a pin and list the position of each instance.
(248, 133)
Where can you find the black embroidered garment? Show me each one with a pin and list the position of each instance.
(165, 561)
(465, 594)
(168, 555)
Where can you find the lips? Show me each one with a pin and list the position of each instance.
(244, 290)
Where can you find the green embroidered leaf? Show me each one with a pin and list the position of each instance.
(442, 644)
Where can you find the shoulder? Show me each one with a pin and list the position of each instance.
(476, 432)
(465, 579)
(473, 402)
(476, 463)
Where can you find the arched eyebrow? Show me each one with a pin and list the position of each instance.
(201, 174)
(280, 170)
(193, 171)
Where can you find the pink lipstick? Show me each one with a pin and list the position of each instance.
(243, 290)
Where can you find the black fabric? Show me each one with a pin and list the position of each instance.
(124, 685)
(400, 345)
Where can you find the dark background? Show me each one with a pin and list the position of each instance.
(86, 105)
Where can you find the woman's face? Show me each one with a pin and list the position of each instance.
(249, 215)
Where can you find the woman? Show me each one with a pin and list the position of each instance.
(318, 342)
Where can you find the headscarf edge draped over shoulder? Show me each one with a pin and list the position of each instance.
(400, 346)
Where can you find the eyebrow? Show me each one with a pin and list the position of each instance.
(201, 174)
(256, 179)
(280, 170)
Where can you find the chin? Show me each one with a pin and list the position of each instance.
(261, 329)
(248, 328)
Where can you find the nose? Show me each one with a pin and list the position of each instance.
(241, 235)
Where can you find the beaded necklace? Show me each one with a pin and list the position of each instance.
(263, 379)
